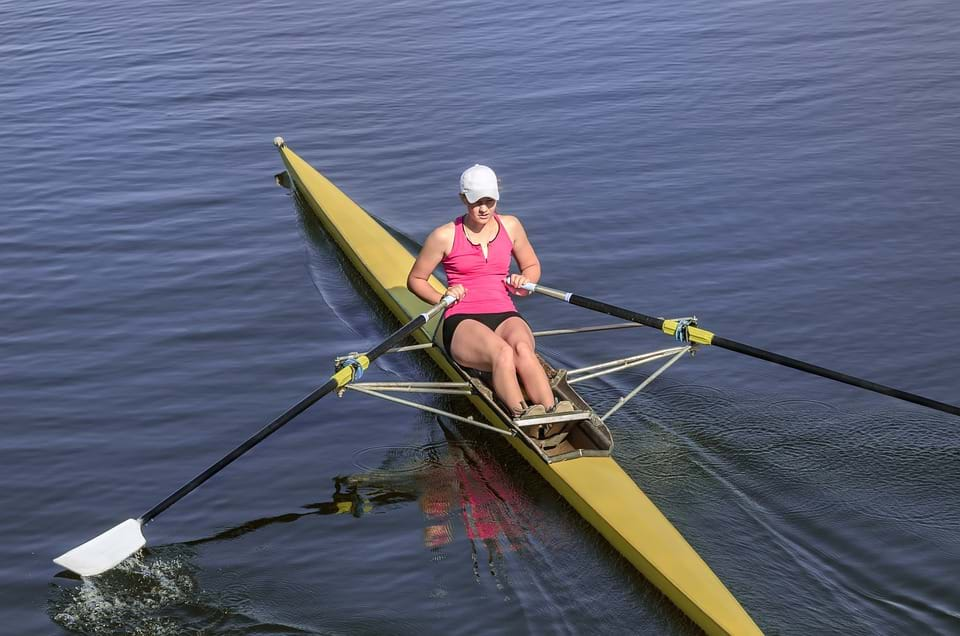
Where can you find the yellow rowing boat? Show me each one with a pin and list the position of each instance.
(572, 455)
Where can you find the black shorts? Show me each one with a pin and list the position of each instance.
(491, 320)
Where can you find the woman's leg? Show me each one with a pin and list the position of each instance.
(476, 346)
(516, 333)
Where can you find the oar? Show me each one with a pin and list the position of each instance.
(702, 336)
(113, 546)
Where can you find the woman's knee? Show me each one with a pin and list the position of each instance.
(504, 356)
(523, 352)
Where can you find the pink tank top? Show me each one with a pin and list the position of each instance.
(483, 277)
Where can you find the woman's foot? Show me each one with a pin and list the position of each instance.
(533, 410)
(563, 406)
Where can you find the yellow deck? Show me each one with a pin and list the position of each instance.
(596, 487)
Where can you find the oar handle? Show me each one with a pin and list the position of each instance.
(339, 379)
(546, 291)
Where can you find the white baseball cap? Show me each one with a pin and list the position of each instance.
(478, 182)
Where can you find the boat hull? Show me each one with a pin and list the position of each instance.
(597, 487)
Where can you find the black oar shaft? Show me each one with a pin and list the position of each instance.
(331, 385)
(733, 345)
(739, 347)
(613, 310)
(252, 441)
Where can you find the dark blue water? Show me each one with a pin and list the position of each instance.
(785, 171)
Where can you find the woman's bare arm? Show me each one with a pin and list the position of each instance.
(434, 248)
(523, 252)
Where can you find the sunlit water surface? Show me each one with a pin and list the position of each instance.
(785, 171)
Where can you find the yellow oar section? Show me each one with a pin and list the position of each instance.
(694, 334)
(355, 369)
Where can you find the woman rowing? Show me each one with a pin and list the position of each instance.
(483, 330)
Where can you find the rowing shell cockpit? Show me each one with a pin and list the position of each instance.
(554, 436)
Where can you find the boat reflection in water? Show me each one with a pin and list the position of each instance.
(476, 490)
(457, 487)
(159, 590)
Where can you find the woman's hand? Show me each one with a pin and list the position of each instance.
(457, 291)
(515, 282)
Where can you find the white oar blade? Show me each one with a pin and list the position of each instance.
(104, 551)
